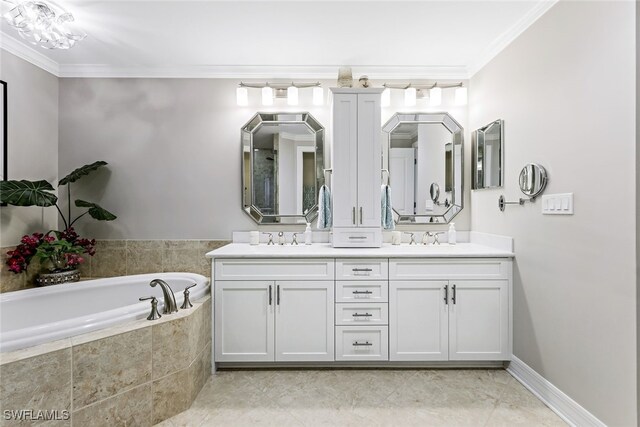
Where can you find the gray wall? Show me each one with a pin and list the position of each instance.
(174, 151)
(33, 142)
(565, 89)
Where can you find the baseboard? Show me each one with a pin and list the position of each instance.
(566, 408)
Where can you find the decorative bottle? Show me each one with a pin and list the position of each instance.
(452, 233)
(307, 234)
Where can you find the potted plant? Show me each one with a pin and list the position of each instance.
(59, 252)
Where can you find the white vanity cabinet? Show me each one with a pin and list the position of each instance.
(343, 309)
(286, 316)
(466, 317)
(356, 163)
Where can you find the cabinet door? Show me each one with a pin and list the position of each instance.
(304, 321)
(244, 321)
(479, 320)
(369, 160)
(418, 320)
(344, 159)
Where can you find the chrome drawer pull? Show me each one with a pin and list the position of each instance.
(362, 292)
(357, 237)
(355, 270)
(362, 315)
(362, 344)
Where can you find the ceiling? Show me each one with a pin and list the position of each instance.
(384, 39)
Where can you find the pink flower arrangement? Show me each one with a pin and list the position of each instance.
(61, 250)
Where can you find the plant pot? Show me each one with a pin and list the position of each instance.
(57, 278)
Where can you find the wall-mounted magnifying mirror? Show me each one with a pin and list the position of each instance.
(282, 167)
(488, 156)
(423, 153)
(532, 180)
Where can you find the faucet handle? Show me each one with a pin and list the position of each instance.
(270, 241)
(294, 239)
(154, 315)
(187, 302)
(413, 238)
(435, 237)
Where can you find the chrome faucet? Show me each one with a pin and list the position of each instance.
(170, 305)
(270, 241)
(412, 240)
(294, 239)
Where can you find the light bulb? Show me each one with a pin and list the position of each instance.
(242, 96)
(267, 96)
(386, 97)
(318, 96)
(461, 96)
(435, 96)
(292, 95)
(410, 96)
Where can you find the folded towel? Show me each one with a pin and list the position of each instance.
(387, 212)
(324, 208)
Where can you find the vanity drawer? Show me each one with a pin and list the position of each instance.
(362, 314)
(362, 269)
(274, 269)
(357, 237)
(362, 291)
(449, 269)
(362, 343)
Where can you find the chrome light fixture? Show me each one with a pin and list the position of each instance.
(410, 96)
(43, 23)
(270, 91)
(292, 95)
(412, 91)
(435, 96)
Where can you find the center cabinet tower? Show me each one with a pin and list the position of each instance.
(356, 161)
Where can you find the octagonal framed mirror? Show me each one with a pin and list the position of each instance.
(282, 167)
(423, 153)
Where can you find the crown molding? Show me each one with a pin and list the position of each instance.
(28, 53)
(262, 72)
(510, 35)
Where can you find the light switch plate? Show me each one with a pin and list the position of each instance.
(557, 204)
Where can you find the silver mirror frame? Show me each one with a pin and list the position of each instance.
(475, 185)
(457, 136)
(532, 180)
(249, 129)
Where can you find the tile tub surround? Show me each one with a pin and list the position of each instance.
(126, 257)
(356, 397)
(139, 373)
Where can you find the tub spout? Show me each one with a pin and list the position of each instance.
(170, 305)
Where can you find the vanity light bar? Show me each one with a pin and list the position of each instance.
(414, 91)
(278, 90)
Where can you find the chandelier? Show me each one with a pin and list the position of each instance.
(43, 24)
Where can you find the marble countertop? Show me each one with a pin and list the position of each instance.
(325, 250)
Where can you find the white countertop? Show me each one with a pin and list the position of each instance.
(324, 250)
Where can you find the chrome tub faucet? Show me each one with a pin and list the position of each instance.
(170, 305)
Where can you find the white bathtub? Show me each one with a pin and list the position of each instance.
(39, 315)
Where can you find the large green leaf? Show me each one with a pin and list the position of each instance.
(27, 193)
(81, 171)
(96, 211)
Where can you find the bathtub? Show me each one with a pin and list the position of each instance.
(40, 315)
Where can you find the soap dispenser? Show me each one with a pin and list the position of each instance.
(307, 234)
(452, 233)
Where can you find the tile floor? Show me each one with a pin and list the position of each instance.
(473, 397)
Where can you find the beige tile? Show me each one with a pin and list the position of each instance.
(186, 244)
(37, 383)
(142, 245)
(192, 417)
(186, 260)
(109, 261)
(142, 261)
(37, 350)
(171, 395)
(200, 371)
(215, 244)
(110, 244)
(109, 366)
(172, 346)
(131, 408)
(85, 267)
